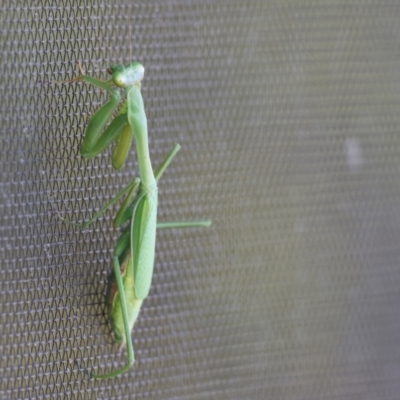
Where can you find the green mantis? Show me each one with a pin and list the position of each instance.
(134, 253)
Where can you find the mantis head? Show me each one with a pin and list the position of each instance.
(126, 76)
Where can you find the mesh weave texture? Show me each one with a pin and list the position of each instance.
(288, 117)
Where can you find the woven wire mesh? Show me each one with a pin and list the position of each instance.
(288, 117)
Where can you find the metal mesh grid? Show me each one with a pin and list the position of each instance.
(288, 117)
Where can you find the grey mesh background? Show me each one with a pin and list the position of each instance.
(288, 114)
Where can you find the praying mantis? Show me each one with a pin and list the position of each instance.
(133, 258)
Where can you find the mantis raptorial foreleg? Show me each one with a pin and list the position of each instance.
(98, 137)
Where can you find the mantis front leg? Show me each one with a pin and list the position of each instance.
(97, 139)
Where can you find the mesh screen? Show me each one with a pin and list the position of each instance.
(288, 117)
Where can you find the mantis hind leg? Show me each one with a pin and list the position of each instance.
(184, 224)
(130, 352)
